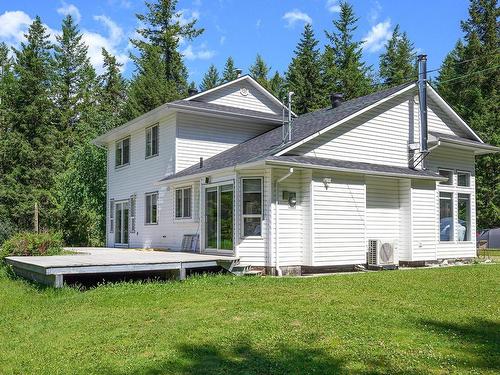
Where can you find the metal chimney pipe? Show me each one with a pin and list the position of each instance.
(238, 72)
(422, 100)
(290, 115)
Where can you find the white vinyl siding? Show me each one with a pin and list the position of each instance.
(339, 220)
(424, 229)
(405, 222)
(382, 209)
(231, 96)
(205, 136)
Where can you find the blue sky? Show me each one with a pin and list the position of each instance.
(244, 28)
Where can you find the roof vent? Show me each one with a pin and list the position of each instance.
(192, 91)
(336, 99)
(201, 162)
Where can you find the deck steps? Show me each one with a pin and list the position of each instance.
(240, 270)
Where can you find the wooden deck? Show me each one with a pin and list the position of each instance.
(51, 270)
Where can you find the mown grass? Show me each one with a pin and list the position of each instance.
(424, 321)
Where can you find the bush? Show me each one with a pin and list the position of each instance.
(30, 243)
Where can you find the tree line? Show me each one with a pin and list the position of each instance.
(53, 103)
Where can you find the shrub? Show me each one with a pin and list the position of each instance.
(30, 243)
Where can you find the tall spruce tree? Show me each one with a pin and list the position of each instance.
(277, 86)
(304, 74)
(343, 68)
(31, 156)
(229, 72)
(397, 62)
(158, 48)
(210, 79)
(74, 83)
(259, 70)
(469, 80)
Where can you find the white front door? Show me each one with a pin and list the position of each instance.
(219, 217)
(121, 223)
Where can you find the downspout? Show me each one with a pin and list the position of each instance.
(277, 262)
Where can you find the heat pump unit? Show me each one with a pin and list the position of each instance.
(382, 253)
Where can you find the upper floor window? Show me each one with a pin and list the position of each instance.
(463, 179)
(447, 173)
(252, 206)
(152, 141)
(152, 208)
(183, 203)
(122, 152)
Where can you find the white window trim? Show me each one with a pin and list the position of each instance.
(183, 188)
(129, 153)
(470, 179)
(146, 218)
(452, 177)
(261, 215)
(150, 128)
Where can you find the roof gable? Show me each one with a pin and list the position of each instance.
(243, 92)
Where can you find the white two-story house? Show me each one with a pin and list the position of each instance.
(349, 184)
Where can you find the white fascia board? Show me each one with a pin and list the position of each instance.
(196, 176)
(351, 170)
(442, 103)
(478, 149)
(338, 123)
(242, 78)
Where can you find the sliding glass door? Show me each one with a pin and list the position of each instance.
(219, 217)
(121, 223)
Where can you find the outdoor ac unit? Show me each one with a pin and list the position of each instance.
(382, 253)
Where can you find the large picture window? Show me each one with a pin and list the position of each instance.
(252, 206)
(445, 216)
(152, 208)
(152, 141)
(463, 226)
(183, 203)
(122, 152)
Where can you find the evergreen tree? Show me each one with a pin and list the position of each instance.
(397, 63)
(260, 71)
(158, 49)
(229, 73)
(74, 80)
(304, 74)
(6, 82)
(30, 153)
(343, 68)
(277, 86)
(469, 80)
(211, 78)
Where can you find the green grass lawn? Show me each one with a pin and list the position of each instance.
(436, 321)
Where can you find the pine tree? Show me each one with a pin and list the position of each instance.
(304, 74)
(470, 82)
(158, 49)
(6, 82)
(277, 86)
(344, 70)
(230, 72)
(397, 63)
(75, 80)
(211, 78)
(31, 157)
(260, 71)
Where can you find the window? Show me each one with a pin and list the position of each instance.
(152, 208)
(447, 174)
(252, 207)
(463, 225)
(183, 203)
(463, 179)
(445, 216)
(122, 152)
(152, 141)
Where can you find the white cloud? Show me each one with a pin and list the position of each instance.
(70, 9)
(378, 35)
(333, 6)
(197, 53)
(115, 31)
(295, 16)
(374, 12)
(258, 23)
(184, 16)
(13, 25)
(222, 40)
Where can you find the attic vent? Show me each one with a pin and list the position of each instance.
(244, 91)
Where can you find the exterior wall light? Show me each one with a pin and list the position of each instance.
(326, 182)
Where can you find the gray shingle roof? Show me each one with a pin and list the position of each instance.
(270, 143)
(465, 141)
(356, 166)
(225, 109)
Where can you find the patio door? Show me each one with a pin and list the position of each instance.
(121, 223)
(219, 217)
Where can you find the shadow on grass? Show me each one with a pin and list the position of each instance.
(241, 358)
(478, 341)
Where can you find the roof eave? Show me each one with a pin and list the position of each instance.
(479, 149)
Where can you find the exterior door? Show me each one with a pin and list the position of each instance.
(121, 223)
(219, 217)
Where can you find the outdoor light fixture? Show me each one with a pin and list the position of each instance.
(326, 181)
(290, 197)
